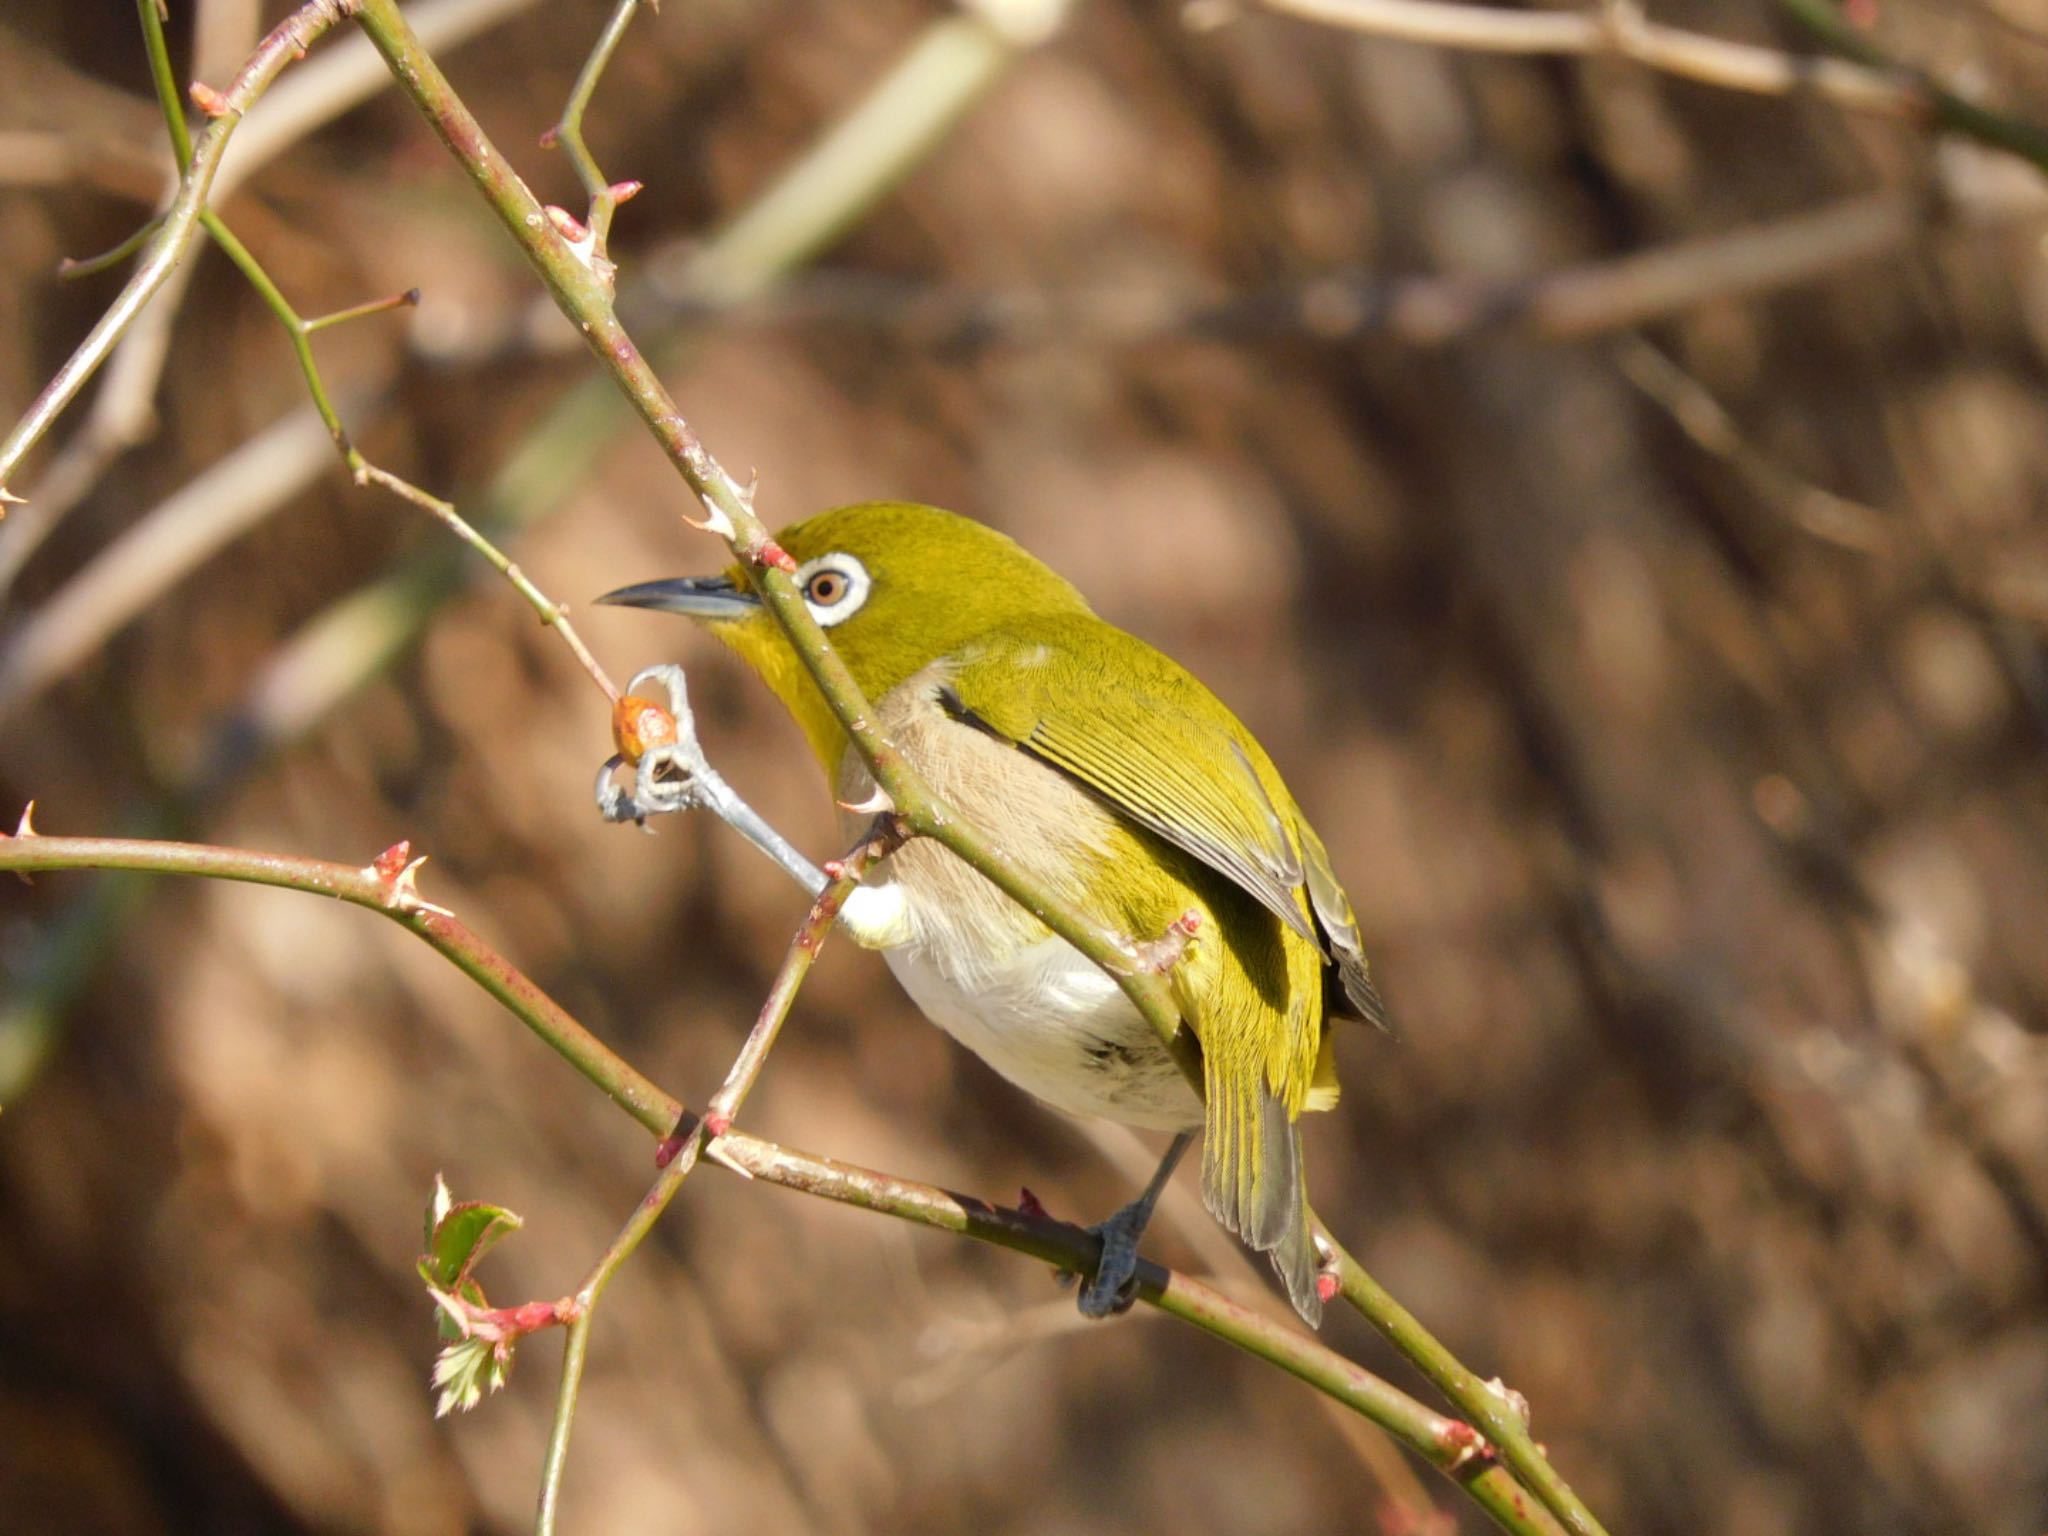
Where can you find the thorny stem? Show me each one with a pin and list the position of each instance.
(690, 1139)
(1448, 1444)
(372, 888)
(584, 295)
(284, 43)
(299, 331)
(568, 130)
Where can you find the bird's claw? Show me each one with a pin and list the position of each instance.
(1113, 1288)
(674, 776)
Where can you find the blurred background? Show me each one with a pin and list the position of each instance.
(1616, 502)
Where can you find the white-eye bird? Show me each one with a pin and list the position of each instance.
(1106, 771)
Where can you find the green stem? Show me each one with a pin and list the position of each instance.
(1489, 1410)
(683, 1147)
(568, 131)
(284, 43)
(1957, 113)
(368, 887)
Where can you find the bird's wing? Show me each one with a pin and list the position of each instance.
(1342, 941)
(1138, 731)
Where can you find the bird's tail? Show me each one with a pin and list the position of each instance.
(1252, 1183)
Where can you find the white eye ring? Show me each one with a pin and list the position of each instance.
(841, 585)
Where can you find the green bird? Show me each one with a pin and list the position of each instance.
(1106, 771)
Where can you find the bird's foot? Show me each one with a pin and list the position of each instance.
(670, 771)
(1114, 1285)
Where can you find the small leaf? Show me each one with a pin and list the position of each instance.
(466, 1371)
(462, 1235)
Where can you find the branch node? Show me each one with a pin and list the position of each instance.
(1517, 1404)
(211, 102)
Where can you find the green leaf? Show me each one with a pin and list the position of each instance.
(462, 1232)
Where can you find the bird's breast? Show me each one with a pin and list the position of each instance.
(980, 966)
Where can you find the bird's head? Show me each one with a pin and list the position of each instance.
(894, 585)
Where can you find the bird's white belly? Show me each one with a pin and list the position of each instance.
(1054, 1024)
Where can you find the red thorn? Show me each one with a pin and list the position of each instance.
(392, 861)
(624, 191)
(551, 137)
(1030, 1204)
(1326, 1287)
(210, 101)
(772, 553)
(833, 868)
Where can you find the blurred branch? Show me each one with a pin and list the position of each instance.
(287, 41)
(585, 296)
(123, 412)
(1814, 509)
(1944, 107)
(1866, 80)
(386, 886)
(1621, 31)
(1561, 305)
(158, 550)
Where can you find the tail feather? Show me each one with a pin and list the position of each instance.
(1252, 1183)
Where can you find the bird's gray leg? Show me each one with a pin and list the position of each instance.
(1114, 1285)
(677, 777)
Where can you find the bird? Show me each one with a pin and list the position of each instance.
(1107, 772)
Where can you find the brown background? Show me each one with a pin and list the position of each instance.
(1704, 856)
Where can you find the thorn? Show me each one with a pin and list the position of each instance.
(833, 868)
(715, 1150)
(1031, 1205)
(874, 805)
(25, 828)
(210, 101)
(624, 191)
(9, 499)
(551, 137)
(400, 876)
(772, 553)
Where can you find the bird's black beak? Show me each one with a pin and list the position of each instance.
(701, 597)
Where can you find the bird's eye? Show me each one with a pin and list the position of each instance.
(834, 586)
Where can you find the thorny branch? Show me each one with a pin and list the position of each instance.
(389, 885)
